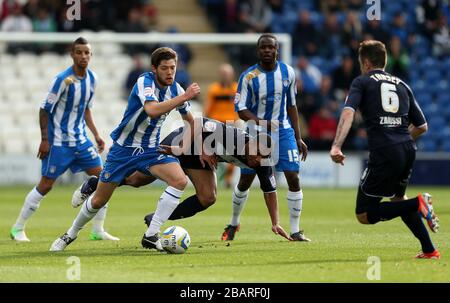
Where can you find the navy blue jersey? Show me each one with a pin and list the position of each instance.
(388, 107)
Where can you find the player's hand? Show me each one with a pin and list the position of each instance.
(302, 149)
(336, 155)
(192, 91)
(44, 149)
(210, 160)
(100, 144)
(278, 230)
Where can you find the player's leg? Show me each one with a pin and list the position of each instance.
(30, 206)
(87, 212)
(89, 161)
(413, 220)
(173, 175)
(87, 188)
(295, 203)
(386, 169)
(205, 184)
(289, 164)
(239, 199)
(98, 231)
(120, 162)
(229, 169)
(54, 165)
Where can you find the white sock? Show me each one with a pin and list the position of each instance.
(166, 205)
(87, 212)
(31, 204)
(295, 201)
(99, 220)
(239, 199)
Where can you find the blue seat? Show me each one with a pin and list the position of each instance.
(445, 147)
(424, 98)
(437, 122)
(432, 76)
(426, 144)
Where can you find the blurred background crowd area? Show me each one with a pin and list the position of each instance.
(325, 36)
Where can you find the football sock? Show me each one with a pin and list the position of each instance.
(187, 208)
(388, 210)
(166, 205)
(99, 220)
(239, 200)
(414, 222)
(295, 201)
(87, 212)
(32, 202)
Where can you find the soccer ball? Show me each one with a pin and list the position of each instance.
(175, 240)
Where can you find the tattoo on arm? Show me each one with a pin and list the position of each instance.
(43, 123)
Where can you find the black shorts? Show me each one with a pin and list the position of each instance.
(186, 161)
(387, 174)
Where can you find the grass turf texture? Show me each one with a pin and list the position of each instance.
(338, 252)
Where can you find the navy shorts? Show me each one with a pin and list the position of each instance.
(387, 174)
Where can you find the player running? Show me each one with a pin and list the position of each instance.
(63, 117)
(228, 144)
(136, 141)
(266, 96)
(393, 121)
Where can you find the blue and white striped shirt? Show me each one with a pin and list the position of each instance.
(137, 129)
(267, 93)
(67, 99)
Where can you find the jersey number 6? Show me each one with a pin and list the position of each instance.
(389, 98)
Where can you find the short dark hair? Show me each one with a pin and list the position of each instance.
(374, 51)
(162, 53)
(79, 40)
(270, 36)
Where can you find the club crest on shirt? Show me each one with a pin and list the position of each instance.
(52, 169)
(278, 97)
(286, 82)
(70, 80)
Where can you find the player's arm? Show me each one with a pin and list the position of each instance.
(154, 109)
(345, 123)
(91, 125)
(268, 187)
(293, 115)
(418, 124)
(44, 147)
(416, 132)
(292, 112)
(48, 105)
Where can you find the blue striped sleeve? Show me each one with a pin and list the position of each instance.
(145, 89)
(177, 90)
(291, 101)
(54, 93)
(243, 94)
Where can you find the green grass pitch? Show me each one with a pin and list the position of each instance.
(339, 250)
